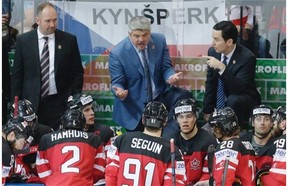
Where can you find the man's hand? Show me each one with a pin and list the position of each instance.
(214, 63)
(174, 78)
(120, 93)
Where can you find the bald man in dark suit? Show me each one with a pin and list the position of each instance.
(65, 68)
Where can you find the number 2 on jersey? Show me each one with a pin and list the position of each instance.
(65, 167)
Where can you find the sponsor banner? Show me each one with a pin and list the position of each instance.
(186, 25)
(270, 83)
(176, 20)
(270, 79)
(271, 86)
(271, 69)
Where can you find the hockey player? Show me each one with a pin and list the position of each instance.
(26, 113)
(70, 156)
(234, 159)
(192, 141)
(277, 173)
(14, 136)
(279, 121)
(143, 158)
(87, 105)
(25, 168)
(261, 138)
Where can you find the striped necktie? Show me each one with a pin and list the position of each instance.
(220, 100)
(44, 64)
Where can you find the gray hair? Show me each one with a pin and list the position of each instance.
(139, 23)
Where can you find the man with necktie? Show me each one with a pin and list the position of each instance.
(230, 75)
(134, 85)
(47, 67)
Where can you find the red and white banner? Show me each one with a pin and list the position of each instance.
(186, 25)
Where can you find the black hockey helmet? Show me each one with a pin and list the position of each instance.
(26, 111)
(225, 119)
(184, 106)
(262, 110)
(73, 119)
(279, 114)
(155, 115)
(79, 100)
(20, 130)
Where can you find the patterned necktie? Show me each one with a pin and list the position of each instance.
(148, 77)
(44, 64)
(220, 101)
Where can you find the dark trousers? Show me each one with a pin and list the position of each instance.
(50, 111)
(243, 106)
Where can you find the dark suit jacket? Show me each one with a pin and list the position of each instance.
(127, 72)
(238, 77)
(5, 79)
(26, 75)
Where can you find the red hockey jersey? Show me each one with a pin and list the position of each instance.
(70, 157)
(277, 173)
(194, 152)
(234, 159)
(138, 159)
(7, 160)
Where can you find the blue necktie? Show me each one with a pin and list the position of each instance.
(44, 64)
(147, 76)
(220, 100)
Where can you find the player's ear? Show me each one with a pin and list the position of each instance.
(11, 136)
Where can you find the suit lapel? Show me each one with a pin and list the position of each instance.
(135, 60)
(58, 48)
(233, 61)
(218, 56)
(35, 50)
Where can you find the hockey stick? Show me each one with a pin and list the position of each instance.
(225, 171)
(210, 155)
(15, 106)
(172, 148)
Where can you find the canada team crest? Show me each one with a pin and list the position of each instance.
(194, 164)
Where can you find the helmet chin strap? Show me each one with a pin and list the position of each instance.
(260, 136)
(220, 139)
(85, 128)
(12, 143)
